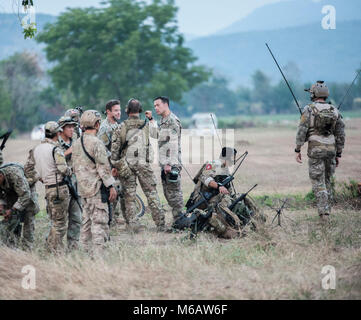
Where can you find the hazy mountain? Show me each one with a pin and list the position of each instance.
(294, 13)
(11, 36)
(318, 53)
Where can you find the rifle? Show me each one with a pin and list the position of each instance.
(289, 87)
(72, 191)
(5, 138)
(348, 91)
(242, 197)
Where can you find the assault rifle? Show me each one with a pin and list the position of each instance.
(5, 138)
(72, 191)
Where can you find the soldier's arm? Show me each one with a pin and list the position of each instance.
(168, 142)
(153, 129)
(303, 128)
(22, 189)
(29, 169)
(102, 164)
(60, 162)
(102, 135)
(340, 136)
(208, 174)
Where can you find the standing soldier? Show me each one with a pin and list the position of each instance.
(105, 134)
(75, 115)
(170, 154)
(47, 163)
(66, 141)
(95, 182)
(131, 155)
(322, 126)
(19, 205)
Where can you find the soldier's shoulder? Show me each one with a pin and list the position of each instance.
(211, 165)
(174, 118)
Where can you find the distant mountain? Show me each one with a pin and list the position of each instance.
(11, 37)
(332, 55)
(294, 13)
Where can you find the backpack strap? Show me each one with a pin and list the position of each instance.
(86, 152)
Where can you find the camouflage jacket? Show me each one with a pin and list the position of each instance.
(90, 176)
(65, 146)
(1, 158)
(169, 140)
(138, 149)
(106, 131)
(333, 143)
(15, 189)
(46, 162)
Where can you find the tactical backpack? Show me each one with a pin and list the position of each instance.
(324, 120)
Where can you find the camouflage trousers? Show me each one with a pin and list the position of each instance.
(74, 224)
(148, 183)
(321, 171)
(174, 196)
(57, 207)
(94, 228)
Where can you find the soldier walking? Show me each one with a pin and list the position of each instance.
(95, 182)
(170, 155)
(322, 126)
(132, 155)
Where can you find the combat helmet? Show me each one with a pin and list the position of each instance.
(63, 121)
(318, 90)
(89, 119)
(51, 128)
(228, 154)
(74, 114)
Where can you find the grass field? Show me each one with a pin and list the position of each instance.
(273, 263)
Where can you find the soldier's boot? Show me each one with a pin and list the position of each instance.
(134, 227)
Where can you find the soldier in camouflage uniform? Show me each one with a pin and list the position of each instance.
(322, 126)
(74, 220)
(19, 205)
(170, 154)
(93, 173)
(132, 155)
(105, 134)
(47, 163)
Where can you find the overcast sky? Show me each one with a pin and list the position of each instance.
(197, 17)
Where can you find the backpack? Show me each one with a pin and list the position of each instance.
(324, 120)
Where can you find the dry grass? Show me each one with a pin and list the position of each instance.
(274, 263)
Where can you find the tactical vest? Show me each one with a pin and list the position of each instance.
(133, 124)
(323, 119)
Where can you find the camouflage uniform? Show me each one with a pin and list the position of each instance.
(47, 163)
(137, 156)
(91, 176)
(1, 158)
(18, 197)
(322, 151)
(75, 115)
(169, 144)
(74, 212)
(105, 134)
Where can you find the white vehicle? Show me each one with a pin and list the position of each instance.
(202, 124)
(38, 132)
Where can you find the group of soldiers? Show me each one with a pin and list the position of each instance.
(83, 159)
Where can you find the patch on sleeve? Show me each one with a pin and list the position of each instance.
(209, 166)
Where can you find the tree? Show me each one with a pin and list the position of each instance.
(127, 49)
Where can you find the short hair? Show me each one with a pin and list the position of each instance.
(134, 106)
(110, 104)
(164, 99)
(49, 135)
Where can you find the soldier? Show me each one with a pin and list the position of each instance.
(132, 155)
(47, 163)
(75, 114)
(107, 128)
(65, 140)
(95, 182)
(170, 154)
(19, 205)
(322, 126)
(215, 197)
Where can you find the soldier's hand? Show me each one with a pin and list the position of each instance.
(113, 194)
(69, 151)
(223, 190)
(167, 169)
(299, 157)
(148, 114)
(114, 172)
(337, 162)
